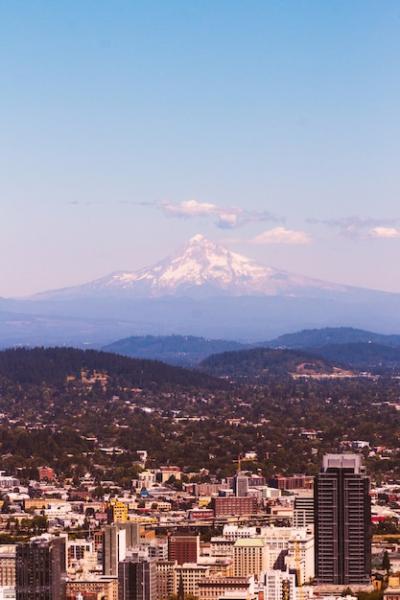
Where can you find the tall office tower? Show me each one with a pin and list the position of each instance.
(137, 579)
(184, 548)
(342, 521)
(40, 567)
(240, 485)
(114, 549)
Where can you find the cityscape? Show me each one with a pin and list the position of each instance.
(241, 538)
(199, 300)
(138, 479)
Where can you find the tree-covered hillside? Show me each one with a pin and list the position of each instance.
(260, 363)
(363, 356)
(55, 365)
(184, 350)
(53, 410)
(315, 338)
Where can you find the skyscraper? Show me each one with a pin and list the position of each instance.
(40, 566)
(137, 579)
(342, 521)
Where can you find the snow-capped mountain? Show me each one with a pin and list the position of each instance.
(201, 268)
(204, 290)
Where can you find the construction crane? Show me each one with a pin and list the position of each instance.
(239, 463)
(298, 564)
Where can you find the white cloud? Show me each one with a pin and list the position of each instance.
(189, 208)
(281, 235)
(385, 232)
(363, 227)
(228, 219)
(224, 218)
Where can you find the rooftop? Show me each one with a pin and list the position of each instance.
(249, 542)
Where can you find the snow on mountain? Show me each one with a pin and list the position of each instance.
(201, 268)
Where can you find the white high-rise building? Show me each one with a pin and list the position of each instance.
(278, 585)
(303, 514)
(293, 541)
(300, 558)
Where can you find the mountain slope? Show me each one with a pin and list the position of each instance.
(316, 338)
(173, 349)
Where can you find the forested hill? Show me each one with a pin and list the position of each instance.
(364, 357)
(55, 365)
(316, 338)
(183, 350)
(258, 363)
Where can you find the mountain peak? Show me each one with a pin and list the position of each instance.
(203, 244)
(199, 238)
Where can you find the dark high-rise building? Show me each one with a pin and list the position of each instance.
(137, 579)
(342, 521)
(40, 568)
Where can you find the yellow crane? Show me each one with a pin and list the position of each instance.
(298, 563)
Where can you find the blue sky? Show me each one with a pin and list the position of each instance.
(127, 127)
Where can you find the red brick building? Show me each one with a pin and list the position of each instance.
(292, 482)
(236, 506)
(184, 548)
